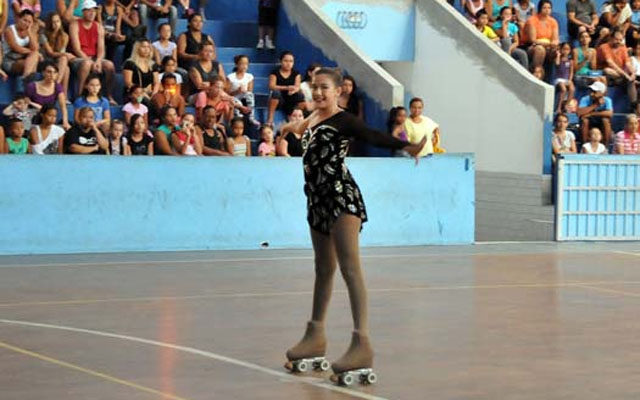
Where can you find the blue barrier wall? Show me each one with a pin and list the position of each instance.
(598, 198)
(75, 204)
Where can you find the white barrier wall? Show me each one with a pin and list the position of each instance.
(484, 101)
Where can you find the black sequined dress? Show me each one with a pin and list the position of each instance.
(329, 186)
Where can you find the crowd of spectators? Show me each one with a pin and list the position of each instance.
(602, 51)
(67, 58)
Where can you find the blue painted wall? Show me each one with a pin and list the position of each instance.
(389, 32)
(75, 204)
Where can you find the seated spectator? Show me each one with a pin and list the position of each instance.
(84, 137)
(32, 5)
(190, 42)
(22, 108)
(613, 59)
(396, 127)
(523, 9)
(138, 141)
(284, 84)
(509, 37)
(204, 70)
(288, 142)
(628, 140)
(118, 145)
(471, 7)
(563, 75)
(87, 42)
(267, 148)
(20, 46)
(240, 86)
(3, 141)
(169, 94)
(216, 97)
(133, 29)
(593, 146)
(541, 34)
(4, 16)
(493, 8)
(563, 141)
(212, 134)
(482, 24)
(47, 137)
(595, 110)
(69, 10)
(165, 48)
(162, 135)
(267, 21)
(139, 70)
(91, 97)
(635, 63)
(110, 17)
(238, 144)
(582, 13)
(156, 9)
(419, 126)
(53, 44)
(170, 66)
(135, 106)
(615, 15)
(305, 86)
(49, 91)
(633, 33)
(16, 143)
(185, 139)
(350, 99)
(585, 63)
(538, 72)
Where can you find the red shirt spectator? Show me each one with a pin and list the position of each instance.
(627, 142)
(89, 39)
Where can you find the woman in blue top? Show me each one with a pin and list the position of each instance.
(509, 37)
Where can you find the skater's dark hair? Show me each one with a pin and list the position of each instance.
(334, 74)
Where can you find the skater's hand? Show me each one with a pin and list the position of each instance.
(415, 148)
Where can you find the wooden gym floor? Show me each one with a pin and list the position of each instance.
(491, 321)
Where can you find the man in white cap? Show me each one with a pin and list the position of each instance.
(595, 110)
(87, 43)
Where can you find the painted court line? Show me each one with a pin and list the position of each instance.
(238, 260)
(628, 253)
(88, 371)
(307, 293)
(610, 291)
(284, 376)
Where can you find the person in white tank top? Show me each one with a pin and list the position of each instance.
(593, 146)
(16, 37)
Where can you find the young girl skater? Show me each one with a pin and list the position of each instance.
(336, 212)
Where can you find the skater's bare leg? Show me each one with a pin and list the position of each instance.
(345, 235)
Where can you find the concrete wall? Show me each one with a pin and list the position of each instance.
(484, 101)
(77, 204)
(388, 29)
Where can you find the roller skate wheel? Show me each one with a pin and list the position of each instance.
(371, 378)
(346, 379)
(301, 366)
(324, 365)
